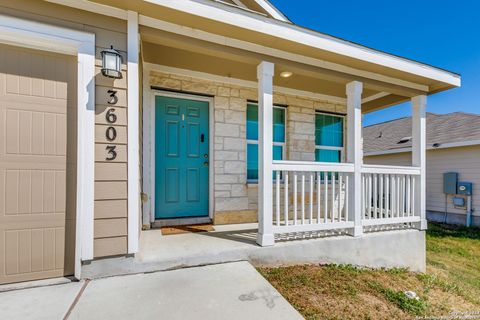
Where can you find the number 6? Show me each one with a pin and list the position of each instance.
(111, 117)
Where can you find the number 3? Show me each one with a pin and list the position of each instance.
(111, 152)
(113, 96)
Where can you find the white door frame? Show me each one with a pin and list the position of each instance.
(40, 36)
(149, 146)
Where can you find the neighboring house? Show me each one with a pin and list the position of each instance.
(218, 111)
(453, 145)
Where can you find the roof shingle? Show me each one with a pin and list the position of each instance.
(441, 128)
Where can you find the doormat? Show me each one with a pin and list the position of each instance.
(187, 229)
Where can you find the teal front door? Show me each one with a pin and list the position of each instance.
(181, 158)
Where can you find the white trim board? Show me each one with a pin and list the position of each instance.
(272, 10)
(149, 147)
(284, 30)
(133, 132)
(429, 147)
(239, 82)
(24, 33)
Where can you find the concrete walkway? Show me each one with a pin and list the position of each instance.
(223, 291)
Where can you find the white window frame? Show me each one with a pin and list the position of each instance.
(280, 144)
(341, 149)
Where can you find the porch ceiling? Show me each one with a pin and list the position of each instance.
(170, 50)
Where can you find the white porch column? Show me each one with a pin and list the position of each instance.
(265, 235)
(355, 154)
(133, 132)
(419, 104)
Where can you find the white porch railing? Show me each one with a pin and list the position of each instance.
(310, 196)
(389, 194)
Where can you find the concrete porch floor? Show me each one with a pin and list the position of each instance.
(395, 248)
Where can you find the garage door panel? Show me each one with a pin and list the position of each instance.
(35, 133)
(34, 250)
(35, 191)
(38, 107)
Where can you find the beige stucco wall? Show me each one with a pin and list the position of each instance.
(464, 160)
(234, 199)
(110, 225)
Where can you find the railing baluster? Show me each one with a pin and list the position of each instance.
(345, 212)
(381, 213)
(369, 197)
(285, 192)
(333, 197)
(277, 197)
(387, 196)
(318, 197)
(325, 198)
(394, 195)
(311, 199)
(408, 196)
(399, 195)
(295, 198)
(364, 192)
(412, 203)
(375, 195)
(339, 202)
(303, 198)
(403, 195)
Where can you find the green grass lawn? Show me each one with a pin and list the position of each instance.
(451, 283)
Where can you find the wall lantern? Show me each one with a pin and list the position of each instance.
(111, 63)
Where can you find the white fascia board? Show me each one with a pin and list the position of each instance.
(274, 12)
(429, 147)
(307, 37)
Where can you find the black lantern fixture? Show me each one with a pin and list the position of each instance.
(111, 63)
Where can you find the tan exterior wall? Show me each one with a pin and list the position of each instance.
(235, 200)
(464, 160)
(110, 226)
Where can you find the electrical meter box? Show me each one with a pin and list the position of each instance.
(465, 188)
(450, 180)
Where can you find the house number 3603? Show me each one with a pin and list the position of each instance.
(111, 132)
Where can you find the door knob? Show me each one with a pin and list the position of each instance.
(205, 164)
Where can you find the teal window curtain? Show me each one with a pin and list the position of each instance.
(252, 138)
(328, 137)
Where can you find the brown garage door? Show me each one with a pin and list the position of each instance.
(37, 164)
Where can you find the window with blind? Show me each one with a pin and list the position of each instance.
(329, 137)
(279, 138)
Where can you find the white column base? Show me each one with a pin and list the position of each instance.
(422, 225)
(356, 231)
(265, 240)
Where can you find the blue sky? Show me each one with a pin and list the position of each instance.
(443, 33)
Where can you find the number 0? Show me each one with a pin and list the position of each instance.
(111, 133)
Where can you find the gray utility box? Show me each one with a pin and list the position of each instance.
(450, 181)
(465, 188)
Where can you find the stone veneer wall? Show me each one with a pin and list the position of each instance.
(235, 200)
